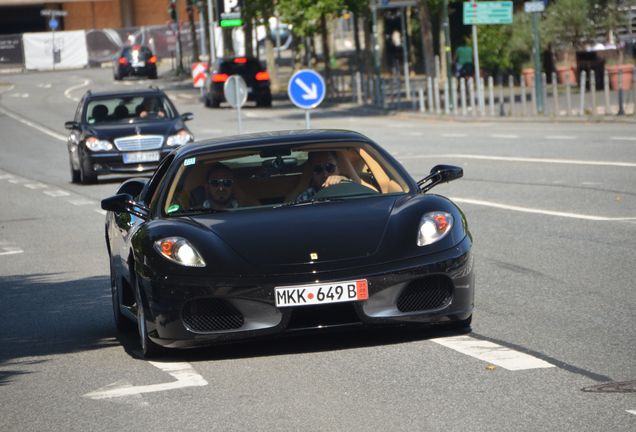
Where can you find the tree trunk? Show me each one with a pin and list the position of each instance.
(193, 31)
(325, 49)
(426, 30)
(249, 29)
(270, 58)
(356, 40)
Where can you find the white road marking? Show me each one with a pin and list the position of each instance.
(29, 123)
(19, 95)
(521, 159)
(10, 250)
(623, 138)
(414, 133)
(8, 89)
(15, 180)
(56, 193)
(505, 136)
(35, 185)
(454, 135)
(45, 85)
(81, 202)
(541, 211)
(184, 374)
(67, 92)
(631, 411)
(560, 137)
(492, 353)
(101, 212)
(6, 176)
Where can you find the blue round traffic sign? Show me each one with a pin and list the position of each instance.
(53, 23)
(306, 89)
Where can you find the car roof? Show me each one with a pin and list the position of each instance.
(150, 91)
(272, 139)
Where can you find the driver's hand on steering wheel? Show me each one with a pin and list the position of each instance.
(334, 180)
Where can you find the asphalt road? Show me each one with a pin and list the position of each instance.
(552, 208)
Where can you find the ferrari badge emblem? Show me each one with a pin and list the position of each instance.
(313, 256)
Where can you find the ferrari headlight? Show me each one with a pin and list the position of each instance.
(180, 138)
(179, 250)
(95, 144)
(433, 227)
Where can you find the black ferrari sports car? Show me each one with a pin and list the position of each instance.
(264, 234)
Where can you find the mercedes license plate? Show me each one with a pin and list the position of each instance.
(322, 293)
(138, 64)
(141, 157)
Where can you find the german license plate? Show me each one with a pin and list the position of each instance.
(138, 64)
(323, 293)
(141, 157)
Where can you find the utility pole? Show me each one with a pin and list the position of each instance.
(447, 44)
(535, 8)
(377, 81)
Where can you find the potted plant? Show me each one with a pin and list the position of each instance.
(610, 15)
(620, 69)
(527, 71)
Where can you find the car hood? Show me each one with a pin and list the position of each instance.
(116, 130)
(335, 231)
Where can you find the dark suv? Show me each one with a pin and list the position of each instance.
(136, 60)
(250, 69)
(123, 132)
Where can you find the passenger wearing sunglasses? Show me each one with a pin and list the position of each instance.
(324, 173)
(220, 188)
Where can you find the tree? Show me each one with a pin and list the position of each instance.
(426, 30)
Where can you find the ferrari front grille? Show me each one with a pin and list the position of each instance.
(139, 142)
(206, 315)
(427, 293)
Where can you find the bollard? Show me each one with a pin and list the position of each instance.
(446, 97)
(420, 94)
(471, 96)
(359, 88)
(634, 89)
(621, 110)
(593, 91)
(502, 112)
(533, 98)
(555, 94)
(491, 96)
(523, 96)
(429, 94)
(438, 108)
(454, 95)
(511, 85)
(544, 81)
(481, 97)
(462, 92)
(582, 93)
(568, 95)
(606, 91)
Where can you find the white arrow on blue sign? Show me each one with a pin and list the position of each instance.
(306, 89)
(53, 23)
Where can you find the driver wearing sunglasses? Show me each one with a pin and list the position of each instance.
(219, 188)
(324, 173)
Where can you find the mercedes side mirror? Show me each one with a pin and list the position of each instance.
(187, 116)
(72, 125)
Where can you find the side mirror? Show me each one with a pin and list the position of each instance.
(124, 203)
(187, 116)
(72, 125)
(440, 174)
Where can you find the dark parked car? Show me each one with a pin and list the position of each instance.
(136, 60)
(373, 248)
(250, 69)
(123, 132)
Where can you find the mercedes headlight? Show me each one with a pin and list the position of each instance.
(180, 251)
(180, 138)
(433, 227)
(94, 144)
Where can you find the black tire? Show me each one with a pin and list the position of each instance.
(214, 103)
(86, 174)
(264, 102)
(149, 349)
(122, 323)
(464, 325)
(116, 77)
(152, 76)
(75, 174)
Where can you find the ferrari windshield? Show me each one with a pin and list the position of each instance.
(280, 176)
(128, 109)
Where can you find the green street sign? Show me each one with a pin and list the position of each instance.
(231, 22)
(488, 12)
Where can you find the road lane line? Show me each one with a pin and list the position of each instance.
(184, 374)
(35, 185)
(560, 137)
(454, 135)
(81, 202)
(541, 211)
(490, 352)
(504, 136)
(67, 92)
(631, 411)
(523, 159)
(101, 212)
(10, 250)
(56, 193)
(623, 138)
(36, 126)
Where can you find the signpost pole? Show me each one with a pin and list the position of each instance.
(407, 81)
(307, 119)
(480, 90)
(377, 81)
(238, 107)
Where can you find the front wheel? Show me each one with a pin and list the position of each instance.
(86, 174)
(75, 174)
(149, 349)
(122, 323)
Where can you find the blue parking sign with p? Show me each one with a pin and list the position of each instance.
(306, 89)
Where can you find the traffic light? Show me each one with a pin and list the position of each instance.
(172, 10)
